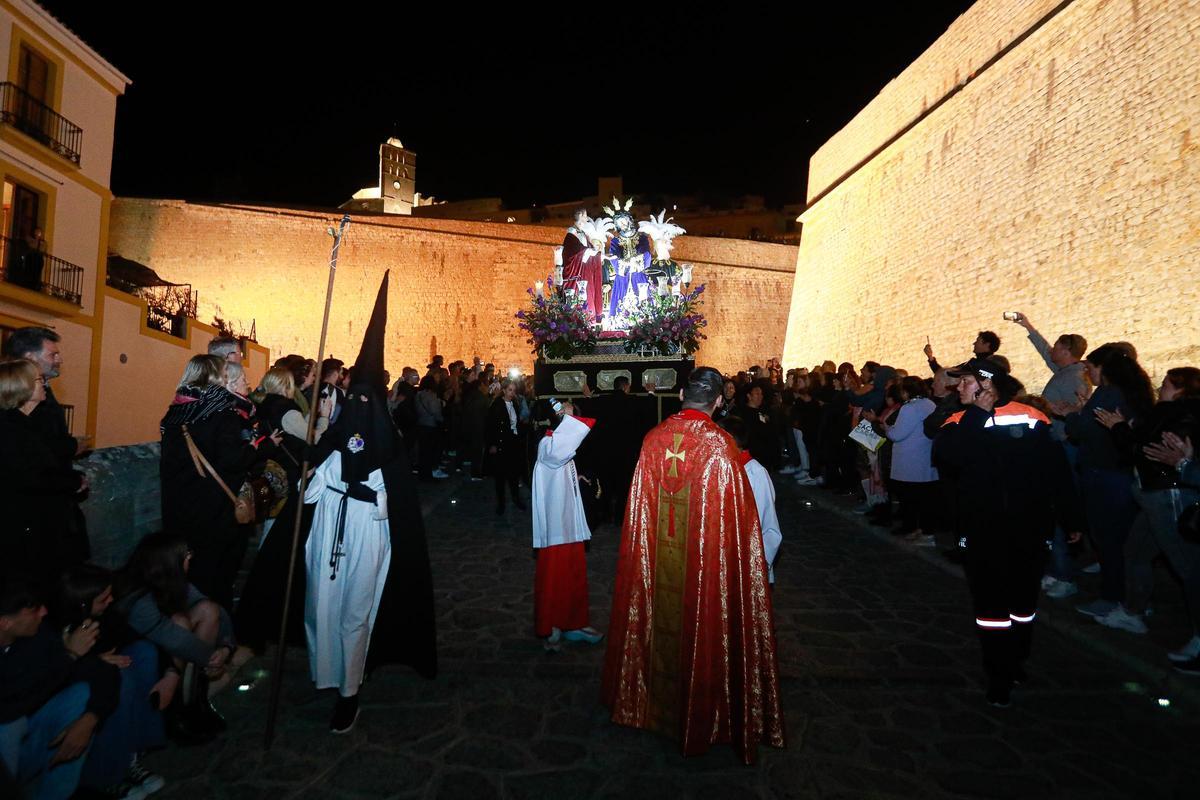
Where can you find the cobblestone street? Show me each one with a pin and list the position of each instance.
(881, 689)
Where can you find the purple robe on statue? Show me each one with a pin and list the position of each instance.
(633, 278)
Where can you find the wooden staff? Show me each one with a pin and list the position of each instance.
(281, 646)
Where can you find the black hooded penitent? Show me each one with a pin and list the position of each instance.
(367, 439)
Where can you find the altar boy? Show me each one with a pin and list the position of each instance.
(764, 494)
(560, 590)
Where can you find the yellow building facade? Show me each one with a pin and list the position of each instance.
(58, 104)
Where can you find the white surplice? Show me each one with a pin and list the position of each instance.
(558, 516)
(764, 498)
(340, 613)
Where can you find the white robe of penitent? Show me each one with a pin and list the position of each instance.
(340, 613)
(764, 498)
(558, 516)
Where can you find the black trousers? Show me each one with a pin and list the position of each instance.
(216, 560)
(507, 464)
(916, 505)
(429, 450)
(1004, 572)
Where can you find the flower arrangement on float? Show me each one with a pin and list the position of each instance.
(667, 324)
(558, 323)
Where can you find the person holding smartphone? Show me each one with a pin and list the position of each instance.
(1013, 484)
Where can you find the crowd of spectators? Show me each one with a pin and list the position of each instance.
(872, 431)
(74, 688)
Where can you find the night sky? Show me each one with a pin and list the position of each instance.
(244, 102)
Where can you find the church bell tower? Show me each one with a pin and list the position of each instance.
(397, 177)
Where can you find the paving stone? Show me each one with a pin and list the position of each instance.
(558, 752)
(990, 754)
(882, 697)
(464, 785)
(516, 722)
(486, 753)
(378, 773)
(552, 785)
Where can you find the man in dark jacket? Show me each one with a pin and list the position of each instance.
(1013, 481)
(52, 697)
(40, 345)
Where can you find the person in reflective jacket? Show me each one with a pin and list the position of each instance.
(1013, 483)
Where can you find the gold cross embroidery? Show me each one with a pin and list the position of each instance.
(676, 456)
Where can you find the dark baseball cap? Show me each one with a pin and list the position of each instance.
(1007, 387)
(983, 368)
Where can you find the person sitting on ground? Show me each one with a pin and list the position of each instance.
(986, 345)
(160, 605)
(84, 597)
(52, 698)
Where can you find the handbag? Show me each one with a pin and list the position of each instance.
(254, 499)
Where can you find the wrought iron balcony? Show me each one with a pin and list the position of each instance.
(37, 120)
(168, 305)
(24, 265)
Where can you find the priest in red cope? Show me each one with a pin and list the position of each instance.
(583, 261)
(691, 641)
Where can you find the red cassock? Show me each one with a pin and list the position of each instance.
(576, 268)
(691, 642)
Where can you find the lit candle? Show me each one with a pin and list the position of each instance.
(538, 288)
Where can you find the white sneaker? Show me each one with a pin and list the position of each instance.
(1062, 589)
(437, 473)
(142, 778)
(807, 481)
(787, 470)
(1048, 582)
(1187, 652)
(1092, 568)
(1121, 619)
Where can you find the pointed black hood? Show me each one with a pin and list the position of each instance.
(368, 367)
(365, 433)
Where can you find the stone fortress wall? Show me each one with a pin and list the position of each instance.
(455, 285)
(1041, 156)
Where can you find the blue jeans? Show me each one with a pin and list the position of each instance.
(1156, 532)
(133, 727)
(1062, 566)
(26, 751)
(1108, 501)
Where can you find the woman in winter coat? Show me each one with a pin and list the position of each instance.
(36, 491)
(1161, 493)
(260, 606)
(913, 475)
(193, 503)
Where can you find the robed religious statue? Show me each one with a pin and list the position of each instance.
(582, 260)
(629, 255)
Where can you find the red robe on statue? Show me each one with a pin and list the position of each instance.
(691, 642)
(578, 266)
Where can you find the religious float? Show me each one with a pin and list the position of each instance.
(616, 305)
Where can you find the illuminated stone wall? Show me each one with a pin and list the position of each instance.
(1062, 180)
(454, 287)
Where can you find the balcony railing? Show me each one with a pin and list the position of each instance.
(168, 305)
(39, 121)
(24, 265)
